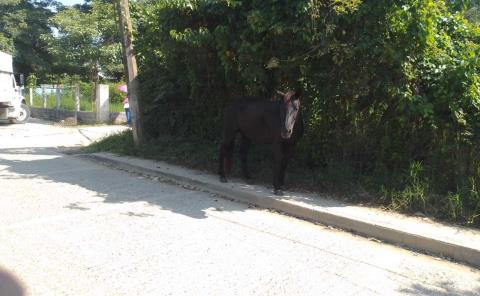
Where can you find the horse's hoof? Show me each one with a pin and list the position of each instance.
(278, 192)
(223, 179)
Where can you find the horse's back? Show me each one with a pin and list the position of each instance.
(240, 103)
(231, 122)
(255, 118)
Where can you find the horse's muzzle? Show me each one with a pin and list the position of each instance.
(286, 134)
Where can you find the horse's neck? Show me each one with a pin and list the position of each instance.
(271, 115)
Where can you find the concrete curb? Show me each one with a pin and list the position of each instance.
(383, 231)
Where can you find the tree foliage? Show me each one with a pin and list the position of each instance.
(50, 40)
(22, 23)
(387, 85)
(86, 40)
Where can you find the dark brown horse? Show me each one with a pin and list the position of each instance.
(269, 122)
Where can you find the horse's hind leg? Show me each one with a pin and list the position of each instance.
(244, 147)
(225, 158)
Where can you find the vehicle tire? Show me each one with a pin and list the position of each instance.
(24, 114)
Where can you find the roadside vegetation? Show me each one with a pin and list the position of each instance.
(391, 90)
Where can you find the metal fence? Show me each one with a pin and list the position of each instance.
(65, 97)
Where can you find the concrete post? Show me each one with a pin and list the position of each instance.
(77, 98)
(31, 96)
(44, 97)
(102, 103)
(58, 97)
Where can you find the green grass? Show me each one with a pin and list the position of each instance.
(335, 179)
(193, 154)
(116, 107)
(66, 103)
(121, 143)
(203, 155)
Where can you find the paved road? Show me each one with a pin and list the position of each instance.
(73, 227)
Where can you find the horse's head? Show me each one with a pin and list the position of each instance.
(289, 107)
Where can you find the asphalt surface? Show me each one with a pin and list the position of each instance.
(75, 227)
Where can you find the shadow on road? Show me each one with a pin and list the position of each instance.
(109, 186)
(31, 120)
(9, 284)
(441, 289)
(94, 184)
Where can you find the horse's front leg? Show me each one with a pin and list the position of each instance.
(287, 156)
(278, 155)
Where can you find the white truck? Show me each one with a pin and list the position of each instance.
(13, 106)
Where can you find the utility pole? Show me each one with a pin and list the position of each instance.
(125, 27)
(121, 25)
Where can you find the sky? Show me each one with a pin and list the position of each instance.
(71, 2)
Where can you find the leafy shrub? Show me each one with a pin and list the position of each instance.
(386, 84)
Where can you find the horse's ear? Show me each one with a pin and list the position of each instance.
(288, 96)
(298, 93)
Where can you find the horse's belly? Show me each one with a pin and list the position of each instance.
(260, 135)
(252, 124)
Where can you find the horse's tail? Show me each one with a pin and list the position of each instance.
(227, 161)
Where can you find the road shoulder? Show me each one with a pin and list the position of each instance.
(419, 233)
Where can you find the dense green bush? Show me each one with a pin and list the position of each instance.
(390, 88)
(116, 96)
